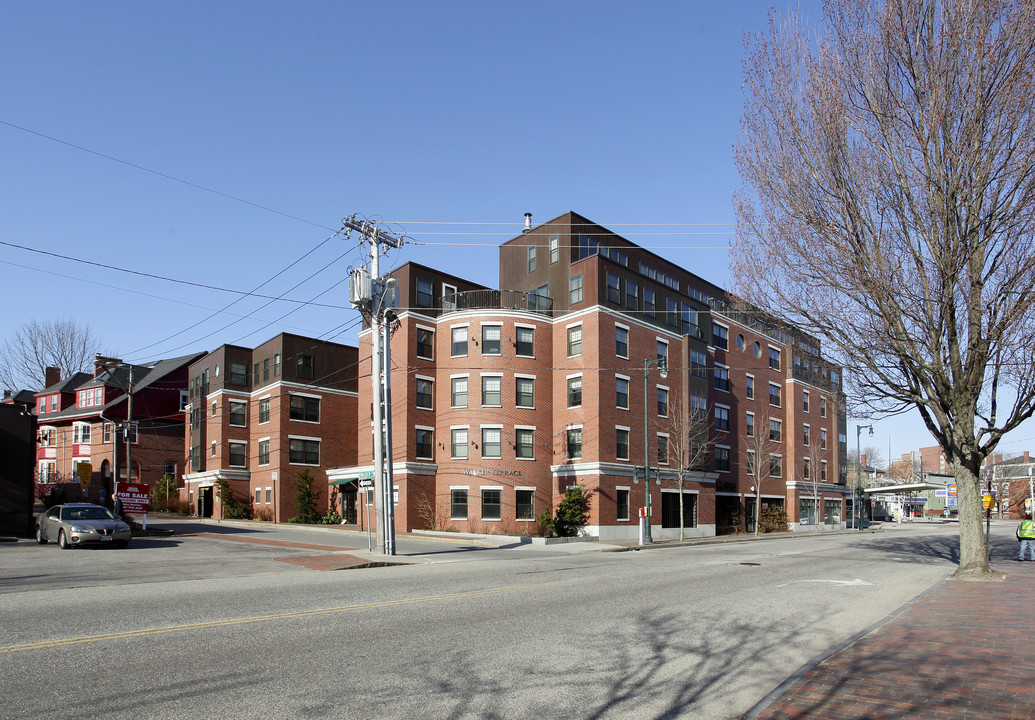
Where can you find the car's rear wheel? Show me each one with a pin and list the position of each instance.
(39, 536)
(63, 541)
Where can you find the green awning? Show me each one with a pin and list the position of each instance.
(345, 481)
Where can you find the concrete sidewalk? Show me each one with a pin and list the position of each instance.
(961, 650)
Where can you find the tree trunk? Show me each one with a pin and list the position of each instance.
(973, 561)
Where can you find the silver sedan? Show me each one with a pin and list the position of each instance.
(77, 524)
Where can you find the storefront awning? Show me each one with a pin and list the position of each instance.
(343, 481)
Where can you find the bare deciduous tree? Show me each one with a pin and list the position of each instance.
(763, 459)
(889, 208)
(688, 446)
(65, 344)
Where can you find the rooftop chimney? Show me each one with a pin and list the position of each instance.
(51, 376)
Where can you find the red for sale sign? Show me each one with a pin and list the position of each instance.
(135, 498)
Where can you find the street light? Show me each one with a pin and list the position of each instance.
(857, 510)
(662, 364)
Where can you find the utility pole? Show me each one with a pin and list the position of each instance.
(369, 293)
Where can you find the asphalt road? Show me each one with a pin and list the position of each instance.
(200, 627)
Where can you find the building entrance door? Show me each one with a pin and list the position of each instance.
(205, 502)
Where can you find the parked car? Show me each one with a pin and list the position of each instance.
(75, 524)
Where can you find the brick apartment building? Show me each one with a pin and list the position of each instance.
(502, 399)
(82, 428)
(258, 417)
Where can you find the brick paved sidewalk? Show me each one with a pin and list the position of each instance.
(963, 650)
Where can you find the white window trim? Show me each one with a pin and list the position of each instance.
(668, 449)
(481, 390)
(628, 333)
(567, 338)
(432, 431)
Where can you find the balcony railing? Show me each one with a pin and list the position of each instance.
(497, 300)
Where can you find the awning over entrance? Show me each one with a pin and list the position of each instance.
(898, 489)
(343, 481)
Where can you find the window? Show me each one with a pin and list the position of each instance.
(807, 511)
(425, 442)
(524, 392)
(492, 390)
(264, 410)
(722, 458)
(80, 434)
(698, 407)
(774, 358)
(425, 393)
(775, 431)
(458, 503)
(304, 408)
(265, 369)
(722, 378)
(663, 351)
(492, 503)
(775, 466)
(805, 400)
(823, 438)
(831, 511)
(650, 303)
(622, 392)
(751, 463)
(805, 435)
(54, 403)
(690, 326)
(524, 443)
(673, 313)
(491, 337)
(662, 449)
(524, 341)
(574, 340)
(425, 293)
(740, 343)
(774, 395)
(722, 418)
(614, 290)
(575, 289)
(238, 374)
(575, 391)
(264, 452)
(306, 367)
(276, 364)
(458, 394)
(238, 413)
(458, 446)
(720, 338)
(524, 501)
(574, 437)
(302, 451)
(458, 346)
(256, 375)
(621, 341)
(555, 249)
(632, 295)
(425, 343)
(698, 363)
(758, 349)
(269, 495)
(806, 470)
(531, 258)
(662, 401)
(622, 443)
(622, 503)
(822, 407)
(823, 471)
(749, 425)
(258, 495)
(749, 387)
(47, 437)
(492, 442)
(238, 452)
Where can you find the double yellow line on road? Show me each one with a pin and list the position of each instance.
(44, 644)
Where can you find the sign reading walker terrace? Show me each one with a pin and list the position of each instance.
(486, 471)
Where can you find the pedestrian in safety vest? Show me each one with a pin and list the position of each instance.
(1026, 534)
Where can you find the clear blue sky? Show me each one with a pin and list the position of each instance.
(219, 142)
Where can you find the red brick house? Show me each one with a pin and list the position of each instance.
(83, 429)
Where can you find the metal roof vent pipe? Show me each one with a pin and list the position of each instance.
(528, 223)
